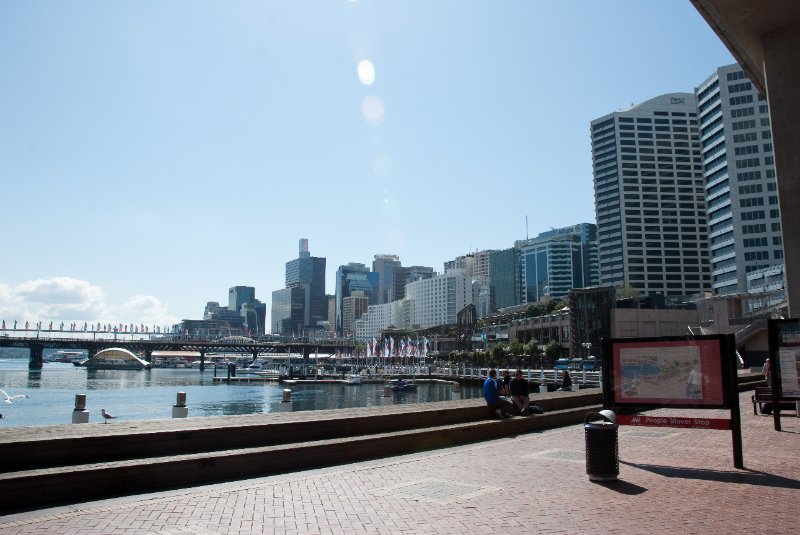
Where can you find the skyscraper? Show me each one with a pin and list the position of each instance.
(557, 261)
(239, 295)
(411, 274)
(306, 276)
(351, 277)
(438, 300)
(740, 183)
(353, 307)
(388, 269)
(650, 198)
(504, 279)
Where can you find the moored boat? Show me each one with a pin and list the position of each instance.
(401, 385)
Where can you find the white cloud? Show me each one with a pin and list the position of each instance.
(59, 298)
(69, 300)
(148, 310)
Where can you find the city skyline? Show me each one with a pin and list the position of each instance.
(165, 166)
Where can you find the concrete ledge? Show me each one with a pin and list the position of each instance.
(25, 490)
(52, 446)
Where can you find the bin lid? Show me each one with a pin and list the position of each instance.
(607, 416)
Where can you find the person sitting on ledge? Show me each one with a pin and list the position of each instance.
(491, 393)
(520, 390)
(566, 382)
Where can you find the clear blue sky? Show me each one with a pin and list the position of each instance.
(155, 153)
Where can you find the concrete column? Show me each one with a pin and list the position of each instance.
(35, 362)
(203, 361)
(782, 74)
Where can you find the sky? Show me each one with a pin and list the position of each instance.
(155, 153)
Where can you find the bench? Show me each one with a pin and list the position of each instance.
(763, 394)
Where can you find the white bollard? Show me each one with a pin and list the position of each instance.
(575, 387)
(180, 410)
(456, 392)
(79, 414)
(286, 402)
(543, 388)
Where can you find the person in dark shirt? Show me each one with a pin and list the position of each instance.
(520, 392)
(506, 382)
(566, 382)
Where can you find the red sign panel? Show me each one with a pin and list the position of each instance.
(673, 421)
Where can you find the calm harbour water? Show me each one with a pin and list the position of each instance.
(150, 394)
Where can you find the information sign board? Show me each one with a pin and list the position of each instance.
(668, 372)
(696, 372)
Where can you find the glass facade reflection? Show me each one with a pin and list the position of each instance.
(557, 261)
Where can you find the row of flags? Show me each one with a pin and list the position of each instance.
(404, 348)
(92, 327)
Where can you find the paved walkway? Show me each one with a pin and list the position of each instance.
(671, 481)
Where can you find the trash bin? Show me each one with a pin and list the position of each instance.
(602, 459)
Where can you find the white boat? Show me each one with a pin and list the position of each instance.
(353, 379)
(69, 356)
(268, 374)
(177, 362)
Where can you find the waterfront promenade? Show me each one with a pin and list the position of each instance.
(671, 481)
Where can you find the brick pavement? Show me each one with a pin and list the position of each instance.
(671, 481)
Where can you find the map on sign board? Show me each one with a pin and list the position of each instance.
(668, 372)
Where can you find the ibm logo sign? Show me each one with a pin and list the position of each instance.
(677, 100)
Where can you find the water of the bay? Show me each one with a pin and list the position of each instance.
(150, 394)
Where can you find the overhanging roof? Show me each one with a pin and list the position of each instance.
(741, 25)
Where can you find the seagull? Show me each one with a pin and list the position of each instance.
(9, 399)
(106, 415)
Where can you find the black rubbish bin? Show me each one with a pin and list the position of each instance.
(602, 455)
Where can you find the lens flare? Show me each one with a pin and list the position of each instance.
(372, 110)
(366, 72)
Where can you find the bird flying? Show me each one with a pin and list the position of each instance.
(10, 399)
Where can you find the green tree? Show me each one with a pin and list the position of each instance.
(517, 349)
(499, 354)
(552, 351)
(626, 292)
(533, 310)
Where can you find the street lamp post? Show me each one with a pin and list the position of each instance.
(588, 347)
